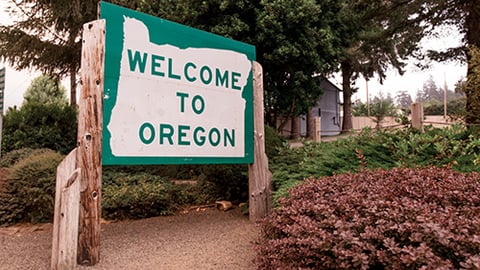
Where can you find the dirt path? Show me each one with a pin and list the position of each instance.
(209, 239)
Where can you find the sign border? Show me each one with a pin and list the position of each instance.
(190, 38)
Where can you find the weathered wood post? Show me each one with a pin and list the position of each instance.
(65, 221)
(417, 116)
(89, 150)
(310, 125)
(317, 125)
(259, 176)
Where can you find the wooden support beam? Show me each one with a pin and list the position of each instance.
(318, 129)
(417, 116)
(259, 176)
(65, 221)
(89, 153)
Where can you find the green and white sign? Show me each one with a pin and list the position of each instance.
(174, 94)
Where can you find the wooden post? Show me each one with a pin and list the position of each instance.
(89, 153)
(259, 176)
(317, 126)
(417, 116)
(311, 125)
(65, 221)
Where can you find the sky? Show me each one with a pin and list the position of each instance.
(16, 82)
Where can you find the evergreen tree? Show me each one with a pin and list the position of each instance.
(43, 121)
(45, 90)
(404, 100)
(295, 40)
(47, 36)
(378, 35)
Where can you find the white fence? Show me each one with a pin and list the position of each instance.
(439, 121)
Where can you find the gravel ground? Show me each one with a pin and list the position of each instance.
(208, 239)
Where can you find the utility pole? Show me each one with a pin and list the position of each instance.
(2, 91)
(444, 96)
(368, 98)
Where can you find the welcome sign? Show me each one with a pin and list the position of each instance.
(174, 94)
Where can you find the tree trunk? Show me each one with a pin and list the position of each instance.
(311, 124)
(73, 88)
(295, 127)
(347, 73)
(472, 22)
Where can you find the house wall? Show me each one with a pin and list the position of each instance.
(329, 108)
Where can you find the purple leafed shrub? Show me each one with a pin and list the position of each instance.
(397, 219)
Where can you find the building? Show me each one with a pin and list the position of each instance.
(328, 108)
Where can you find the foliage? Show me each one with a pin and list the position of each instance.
(225, 182)
(273, 142)
(293, 165)
(455, 108)
(46, 36)
(472, 87)
(29, 193)
(11, 158)
(37, 125)
(45, 90)
(464, 16)
(380, 107)
(136, 196)
(404, 100)
(433, 97)
(294, 40)
(456, 147)
(378, 35)
(398, 219)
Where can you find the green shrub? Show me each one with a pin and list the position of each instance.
(10, 158)
(273, 142)
(455, 147)
(29, 193)
(37, 125)
(136, 196)
(397, 219)
(226, 182)
(293, 165)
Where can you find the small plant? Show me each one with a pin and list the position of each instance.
(133, 196)
(28, 194)
(382, 219)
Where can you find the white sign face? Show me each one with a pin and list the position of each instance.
(196, 95)
(173, 102)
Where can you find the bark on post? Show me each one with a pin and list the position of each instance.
(417, 116)
(311, 125)
(317, 126)
(89, 151)
(259, 176)
(65, 221)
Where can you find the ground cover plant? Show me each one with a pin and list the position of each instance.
(135, 196)
(455, 147)
(403, 218)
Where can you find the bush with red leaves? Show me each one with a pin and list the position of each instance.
(397, 219)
